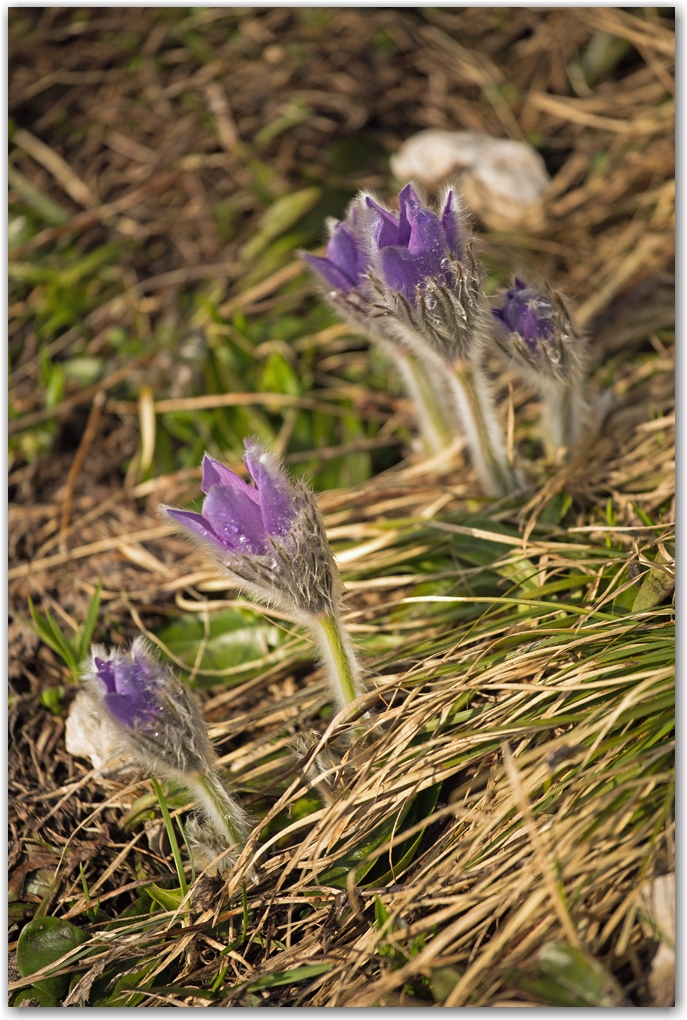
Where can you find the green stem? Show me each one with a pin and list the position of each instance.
(482, 428)
(431, 411)
(225, 815)
(338, 654)
(172, 837)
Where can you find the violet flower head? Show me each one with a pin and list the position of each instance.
(426, 276)
(535, 329)
(343, 272)
(156, 718)
(268, 537)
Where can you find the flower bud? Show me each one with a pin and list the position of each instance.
(159, 724)
(269, 538)
(535, 330)
(155, 717)
(271, 541)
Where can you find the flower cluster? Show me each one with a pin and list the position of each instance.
(413, 279)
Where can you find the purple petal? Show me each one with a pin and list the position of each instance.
(105, 671)
(135, 679)
(145, 666)
(274, 489)
(536, 322)
(386, 225)
(196, 524)
(330, 273)
(342, 250)
(402, 270)
(132, 694)
(407, 200)
(427, 239)
(129, 713)
(215, 473)
(235, 519)
(276, 499)
(527, 313)
(450, 223)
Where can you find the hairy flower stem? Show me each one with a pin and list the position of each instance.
(338, 655)
(482, 428)
(221, 810)
(432, 418)
(565, 414)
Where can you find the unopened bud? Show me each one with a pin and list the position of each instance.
(535, 330)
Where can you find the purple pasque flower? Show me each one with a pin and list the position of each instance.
(237, 517)
(426, 276)
(535, 329)
(130, 686)
(269, 537)
(410, 277)
(154, 715)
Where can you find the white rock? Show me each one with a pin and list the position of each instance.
(502, 181)
(658, 900)
(87, 735)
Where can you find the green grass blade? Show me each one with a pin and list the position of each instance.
(172, 837)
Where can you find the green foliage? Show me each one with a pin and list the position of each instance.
(565, 976)
(172, 837)
(72, 650)
(44, 941)
(289, 977)
(51, 697)
(443, 981)
(144, 807)
(365, 860)
(277, 219)
(234, 642)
